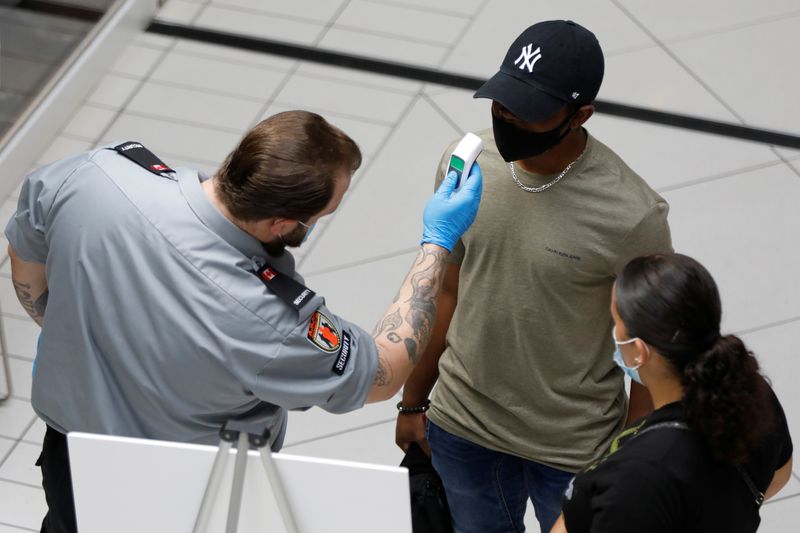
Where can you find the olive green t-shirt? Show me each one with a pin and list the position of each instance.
(528, 368)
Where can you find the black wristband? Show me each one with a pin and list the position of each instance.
(413, 410)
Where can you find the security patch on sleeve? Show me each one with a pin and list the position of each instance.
(323, 334)
(344, 355)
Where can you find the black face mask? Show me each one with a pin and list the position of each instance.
(515, 144)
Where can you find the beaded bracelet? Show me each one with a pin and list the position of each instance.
(413, 410)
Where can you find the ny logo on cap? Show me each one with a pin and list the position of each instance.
(529, 58)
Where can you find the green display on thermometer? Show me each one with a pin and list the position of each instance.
(464, 155)
(457, 166)
(457, 163)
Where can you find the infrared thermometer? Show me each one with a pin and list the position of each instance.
(467, 151)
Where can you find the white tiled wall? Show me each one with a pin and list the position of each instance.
(734, 203)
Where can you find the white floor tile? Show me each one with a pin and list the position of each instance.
(347, 99)
(21, 377)
(383, 47)
(153, 40)
(136, 60)
(171, 137)
(486, 42)
(667, 157)
(671, 21)
(62, 147)
(781, 517)
(179, 12)
(191, 106)
(89, 121)
(21, 336)
(15, 193)
(317, 423)
(789, 153)
(113, 90)
(9, 304)
(357, 77)
(314, 10)
(468, 113)
(20, 465)
(15, 417)
(5, 391)
(232, 55)
(11, 529)
(741, 229)
(775, 349)
(5, 446)
(35, 435)
(22, 506)
(373, 445)
(252, 81)
(747, 77)
(361, 293)
(7, 210)
(389, 195)
(258, 25)
(464, 7)
(409, 23)
(660, 83)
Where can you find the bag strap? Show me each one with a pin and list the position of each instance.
(757, 494)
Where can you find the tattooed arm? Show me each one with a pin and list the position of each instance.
(30, 284)
(405, 329)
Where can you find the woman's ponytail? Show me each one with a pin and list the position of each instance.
(672, 303)
(726, 399)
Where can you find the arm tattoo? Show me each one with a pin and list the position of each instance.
(384, 374)
(34, 308)
(41, 303)
(426, 284)
(389, 323)
(409, 321)
(411, 348)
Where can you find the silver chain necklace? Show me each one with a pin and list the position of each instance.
(546, 186)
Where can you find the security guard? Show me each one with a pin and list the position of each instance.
(169, 305)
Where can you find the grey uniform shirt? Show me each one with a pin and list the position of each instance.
(156, 325)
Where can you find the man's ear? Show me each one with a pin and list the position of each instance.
(582, 115)
(272, 228)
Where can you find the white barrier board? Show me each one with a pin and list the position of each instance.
(137, 485)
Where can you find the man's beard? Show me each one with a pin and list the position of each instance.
(293, 239)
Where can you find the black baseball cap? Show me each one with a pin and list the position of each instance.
(549, 65)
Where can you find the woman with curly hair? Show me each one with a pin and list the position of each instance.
(717, 444)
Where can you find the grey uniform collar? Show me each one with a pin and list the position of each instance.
(189, 181)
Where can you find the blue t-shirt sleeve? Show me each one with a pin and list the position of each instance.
(27, 230)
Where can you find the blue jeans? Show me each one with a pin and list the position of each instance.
(488, 491)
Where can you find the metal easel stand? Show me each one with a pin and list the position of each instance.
(245, 435)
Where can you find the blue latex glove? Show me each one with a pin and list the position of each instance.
(449, 214)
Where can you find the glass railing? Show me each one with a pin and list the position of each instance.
(35, 40)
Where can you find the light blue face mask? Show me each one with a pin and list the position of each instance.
(309, 229)
(631, 371)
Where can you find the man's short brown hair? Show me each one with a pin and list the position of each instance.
(286, 166)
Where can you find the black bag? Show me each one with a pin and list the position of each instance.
(429, 510)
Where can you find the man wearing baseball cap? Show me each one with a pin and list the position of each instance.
(527, 391)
